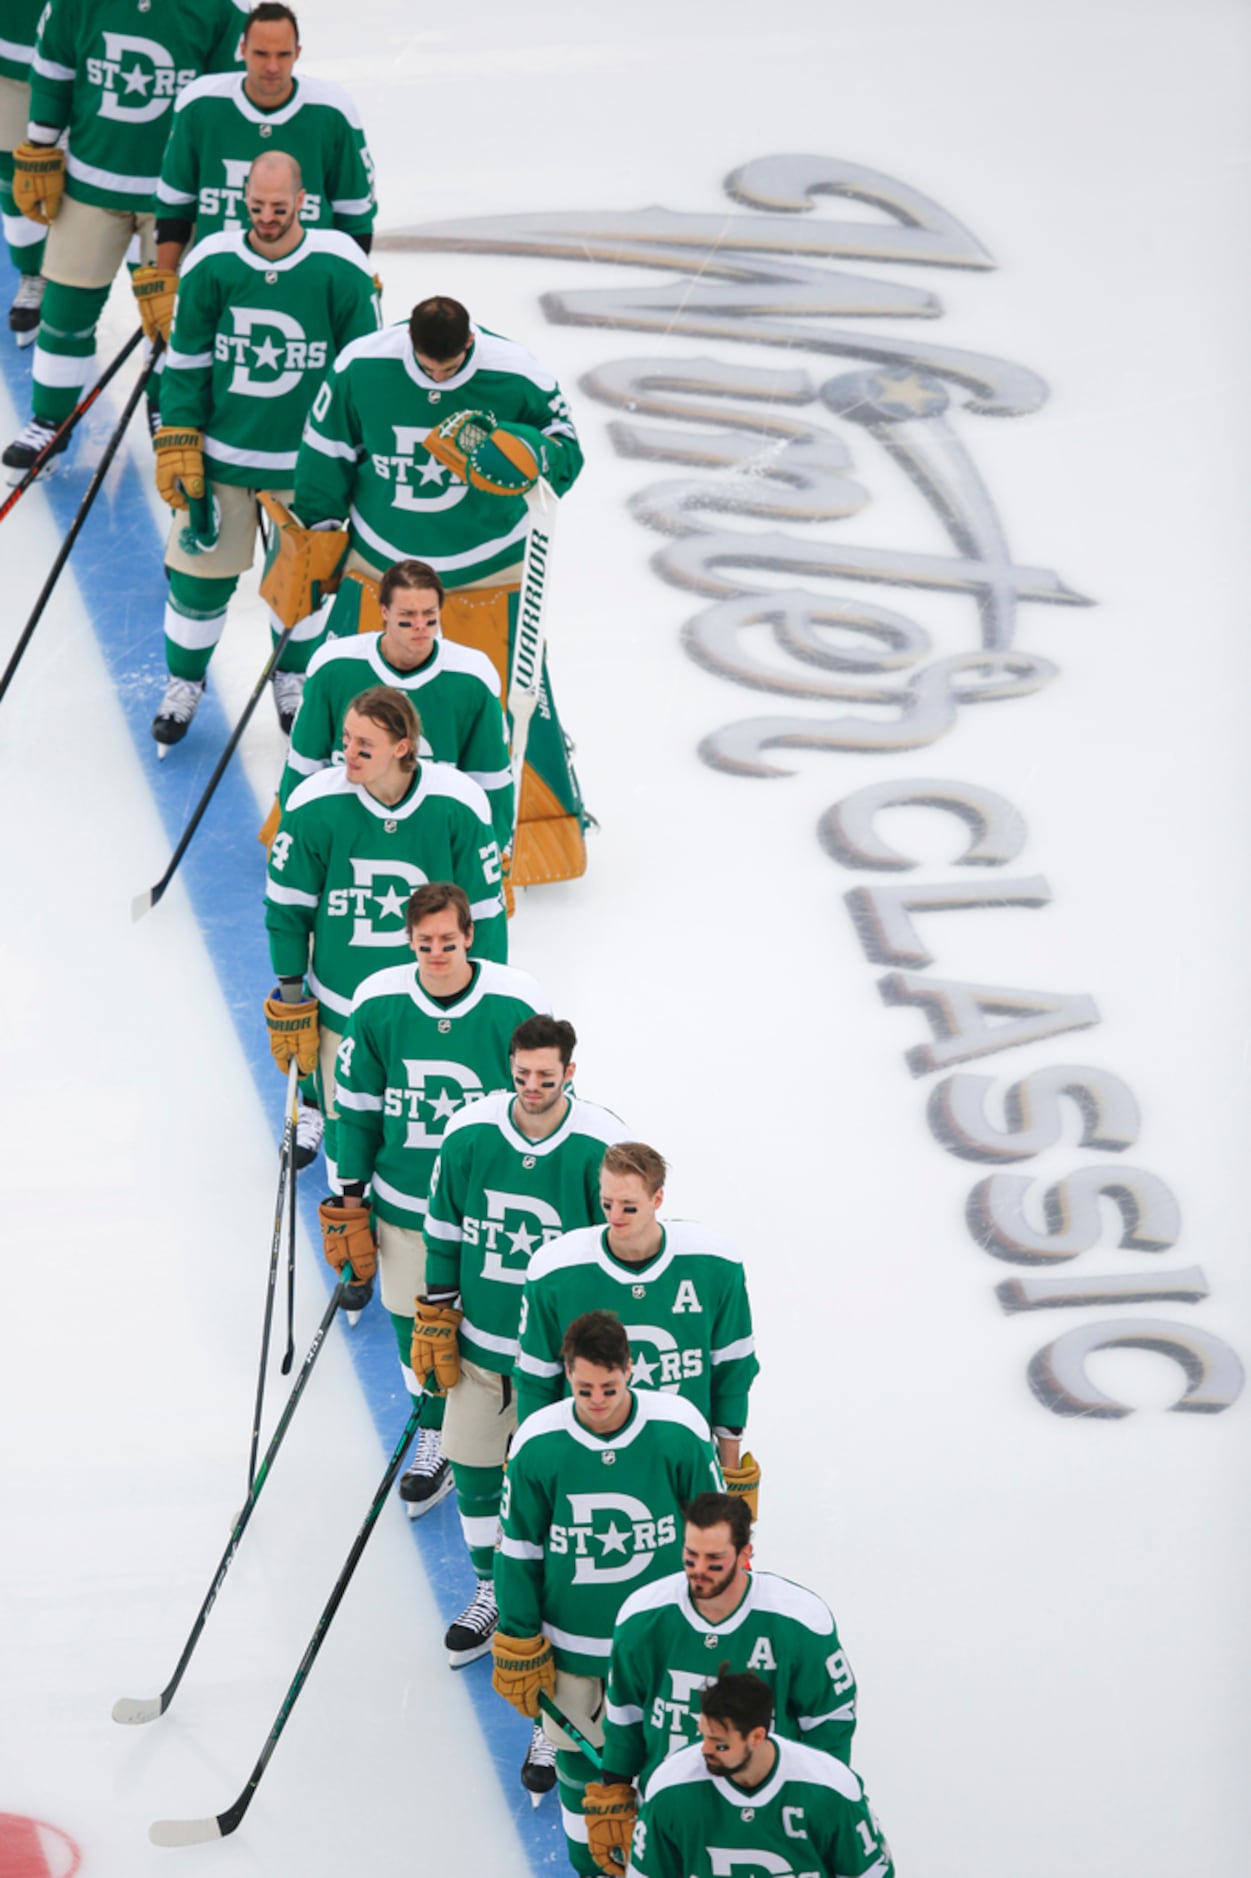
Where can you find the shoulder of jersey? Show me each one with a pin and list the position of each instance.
(571, 1248)
(324, 91)
(494, 353)
(468, 659)
(354, 646)
(600, 1124)
(332, 781)
(656, 1407)
(393, 981)
(552, 1420)
(692, 1237)
(227, 241)
(444, 779)
(678, 1770)
(817, 1769)
(387, 344)
(782, 1597)
(509, 981)
(659, 1595)
(334, 242)
(212, 85)
(486, 1111)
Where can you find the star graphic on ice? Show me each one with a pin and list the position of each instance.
(267, 353)
(643, 1371)
(138, 80)
(432, 471)
(390, 902)
(896, 392)
(523, 1240)
(444, 1106)
(614, 1540)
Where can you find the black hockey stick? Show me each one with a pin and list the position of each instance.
(144, 902)
(217, 1826)
(67, 424)
(286, 1173)
(84, 509)
(146, 1708)
(289, 1353)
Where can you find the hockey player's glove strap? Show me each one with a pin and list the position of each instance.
(179, 465)
(38, 181)
(347, 1235)
(155, 289)
(609, 1813)
(434, 1345)
(293, 1033)
(524, 1666)
(454, 440)
(509, 461)
(744, 1482)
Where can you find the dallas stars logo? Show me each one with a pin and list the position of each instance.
(611, 1526)
(434, 1092)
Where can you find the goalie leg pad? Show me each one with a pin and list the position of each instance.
(301, 564)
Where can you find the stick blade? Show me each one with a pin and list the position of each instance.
(185, 1831)
(137, 1708)
(142, 903)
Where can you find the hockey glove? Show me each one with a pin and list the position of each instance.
(38, 180)
(744, 1482)
(347, 1236)
(435, 1347)
(609, 1813)
(453, 442)
(156, 289)
(509, 461)
(179, 465)
(293, 1033)
(524, 1668)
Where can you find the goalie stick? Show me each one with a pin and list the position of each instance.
(527, 660)
(145, 1708)
(219, 1825)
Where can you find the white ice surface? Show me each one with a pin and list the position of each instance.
(1046, 1617)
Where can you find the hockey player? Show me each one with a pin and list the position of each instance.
(515, 1169)
(25, 238)
(420, 1042)
(591, 1508)
(745, 1797)
(378, 460)
(108, 73)
(222, 123)
(660, 1660)
(260, 317)
(453, 687)
(679, 1289)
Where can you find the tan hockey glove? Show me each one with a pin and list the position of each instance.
(524, 1667)
(434, 1345)
(179, 465)
(609, 1813)
(301, 564)
(744, 1481)
(347, 1234)
(156, 289)
(38, 181)
(293, 1032)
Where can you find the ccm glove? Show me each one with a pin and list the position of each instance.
(744, 1482)
(609, 1813)
(524, 1668)
(38, 180)
(347, 1236)
(434, 1345)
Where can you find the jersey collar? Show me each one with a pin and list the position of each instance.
(461, 1008)
(635, 1274)
(739, 1797)
(598, 1443)
(737, 1616)
(431, 386)
(407, 681)
(392, 811)
(254, 114)
(513, 1135)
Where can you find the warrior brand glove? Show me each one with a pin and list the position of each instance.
(523, 1669)
(38, 180)
(609, 1813)
(509, 461)
(179, 465)
(293, 1033)
(744, 1482)
(434, 1345)
(155, 288)
(347, 1237)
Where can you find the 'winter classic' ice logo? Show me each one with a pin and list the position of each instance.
(137, 77)
(270, 353)
(516, 1225)
(611, 1526)
(228, 199)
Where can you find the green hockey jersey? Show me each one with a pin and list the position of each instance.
(108, 71)
(686, 1311)
(665, 1652)
(217, 133)
(407, 1064)
(17, 38)
(252, 342)
(363, 459)
(455, 694)
(809, 1819)
(344, 866)
(497, 1197)
(587, 1518)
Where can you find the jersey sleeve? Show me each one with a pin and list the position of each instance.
(698, 1470)
(734, 1365)
(360, 1081)
(822, 1696)
(325, 471)
(178, 186)
(443, 1231)
(357, 306)
(625, 1745)
(478, 869)
(225, 54)
(312, 742)
(525, 1516)
(350, 181)
(483, 756)
(547, 413)
(187, 383)
(538, 1372)
(847, 1838)
(52, 72)
(654, 1853)
(293, 890)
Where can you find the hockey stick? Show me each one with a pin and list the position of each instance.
(593, 1754)
(144, 902)
(217, 1826)
(286, 1171)
(84, 509)
(146, 1708)
(527, 661)
(69, 423)
(289, 1353)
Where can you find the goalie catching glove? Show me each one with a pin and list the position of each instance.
(293, 1032)
(179, 465)
(155, 289)
(524, 1668)
(501, 459)
(743, 1482)
(347, 1238)
(434, 1346)
(38, 181)
(609, 1813)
